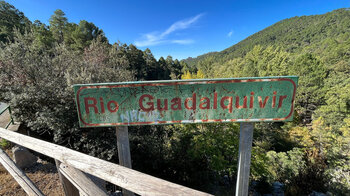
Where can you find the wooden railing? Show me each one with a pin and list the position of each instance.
(28, 186)
(71, 164)
(2, 111)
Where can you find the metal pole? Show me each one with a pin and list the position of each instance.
(11, 119)
(245, 150)
(11, 115)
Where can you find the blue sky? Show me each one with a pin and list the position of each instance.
(180, 28)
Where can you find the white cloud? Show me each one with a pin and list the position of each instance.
(183, 41)
(149, 40)
(230, 34)
(182, 24)
(155, 38)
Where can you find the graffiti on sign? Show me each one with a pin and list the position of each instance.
(186, 101)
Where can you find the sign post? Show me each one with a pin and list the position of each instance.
(124, 151)
(244, 155)
(245, 100)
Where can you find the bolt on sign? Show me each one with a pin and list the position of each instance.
(186, 101)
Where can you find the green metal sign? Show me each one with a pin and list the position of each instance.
(186, 101)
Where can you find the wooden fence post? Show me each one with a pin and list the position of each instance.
(81, 181)
(68, 187)
(244, 157)
(124, 151)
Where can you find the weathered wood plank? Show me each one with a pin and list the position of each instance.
(68, 187)
(83, 183)
(22, 179)
(132, 180)
(124, 151)
(123, 146)
(244, 157)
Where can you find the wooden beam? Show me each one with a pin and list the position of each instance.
(124, 151)
(22, 179)
(123, 146)
(83, 183)
(68, 187)
(132, 180)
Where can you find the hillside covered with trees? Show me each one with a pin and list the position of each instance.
(317, 49)
(39, 63)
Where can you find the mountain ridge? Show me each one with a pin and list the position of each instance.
(283, 32)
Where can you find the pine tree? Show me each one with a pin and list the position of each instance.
(58, 25)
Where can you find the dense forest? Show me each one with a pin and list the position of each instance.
(39, 63)
(315, 147)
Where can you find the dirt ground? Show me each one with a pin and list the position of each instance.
(43, 174)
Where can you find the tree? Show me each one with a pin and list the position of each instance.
(164, 71)
(43, 36)
(337, 99)
(58, 25)
(82, 35)
(11, 18)
(37, 83)
(312, 73)
(173, 67)
(137, 62)
(151, 64)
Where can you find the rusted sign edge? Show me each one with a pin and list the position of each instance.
(197, 81)
(182, 82)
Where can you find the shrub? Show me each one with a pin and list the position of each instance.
(4, 144)
(37, 83)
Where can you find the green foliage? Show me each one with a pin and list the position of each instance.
(186, 153)
(39, 63)
(10, 19)
(294, 35)
(84, 33)
(208, 151)
(340, 172)
(310, 92)
(37, 84)
(337, 100)
(58, 25)
(4, 144)
(259, 165)
(218, 144)
(315, 48)
(326, 157)
(43, 38)
(284, 166)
